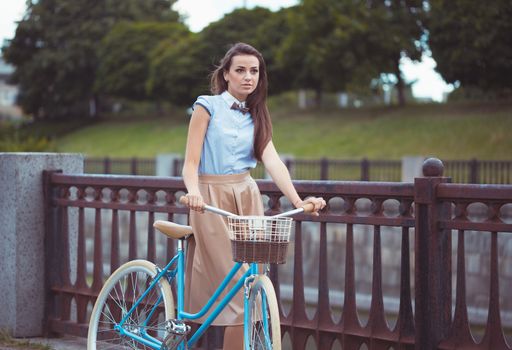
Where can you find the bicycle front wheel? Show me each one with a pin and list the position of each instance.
(120, 291)
(263, 331)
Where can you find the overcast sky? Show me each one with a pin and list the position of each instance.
(199, 13)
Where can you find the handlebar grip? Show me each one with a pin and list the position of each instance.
(183, 200)
(308, 208)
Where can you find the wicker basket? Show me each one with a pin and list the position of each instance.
(259, 239)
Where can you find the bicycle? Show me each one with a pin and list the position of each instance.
(135, 309)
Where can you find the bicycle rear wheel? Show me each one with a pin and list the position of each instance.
(264, 330)
(124, 286)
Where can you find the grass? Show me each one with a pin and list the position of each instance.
(12, 343)
(453, 131)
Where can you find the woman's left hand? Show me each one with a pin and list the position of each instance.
(318, 203)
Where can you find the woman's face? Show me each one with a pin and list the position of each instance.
(243, 76)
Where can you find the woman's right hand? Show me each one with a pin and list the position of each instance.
(195, 202)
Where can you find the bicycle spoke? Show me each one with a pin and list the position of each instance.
(140, 318)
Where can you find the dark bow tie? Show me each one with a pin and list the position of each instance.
(239, 107)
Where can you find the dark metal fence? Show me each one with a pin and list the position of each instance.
(461, 171)
(120, 166)
(424, 216)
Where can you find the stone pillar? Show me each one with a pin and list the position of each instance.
(22, 232)
(165, 164)
(411, 168)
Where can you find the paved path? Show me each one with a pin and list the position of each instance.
(64, 343)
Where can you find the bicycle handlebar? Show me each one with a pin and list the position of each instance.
(307, 208)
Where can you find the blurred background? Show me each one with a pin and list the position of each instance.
(375, 80)
(356, 90)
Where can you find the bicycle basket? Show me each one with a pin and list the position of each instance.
(259, 239)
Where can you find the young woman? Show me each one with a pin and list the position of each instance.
(229, 133)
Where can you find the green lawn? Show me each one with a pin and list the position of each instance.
(459, 131)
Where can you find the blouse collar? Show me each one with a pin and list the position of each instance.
(230, 99)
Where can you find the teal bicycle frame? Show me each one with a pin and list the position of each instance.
(179, 271)
(181, 314)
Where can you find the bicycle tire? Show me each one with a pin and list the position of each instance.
(264, 329)
(113, 303)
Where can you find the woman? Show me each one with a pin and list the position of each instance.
(228, 133)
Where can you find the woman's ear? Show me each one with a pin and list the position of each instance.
(225, 75)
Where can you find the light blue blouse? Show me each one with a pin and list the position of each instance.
(229, 140)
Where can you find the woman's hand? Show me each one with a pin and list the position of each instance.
(318, 203)
(195, 202)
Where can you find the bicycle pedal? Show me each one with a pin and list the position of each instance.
(177, 331)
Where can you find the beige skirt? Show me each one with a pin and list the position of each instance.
(209, 257)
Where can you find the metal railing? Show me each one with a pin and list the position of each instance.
(461, 171)
(423, 217)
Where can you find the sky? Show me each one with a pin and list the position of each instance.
(199, 13)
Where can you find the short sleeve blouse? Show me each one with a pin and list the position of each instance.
(228, 146)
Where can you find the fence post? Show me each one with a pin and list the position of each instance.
(473, 171)
(365, 170)
(106, 165)
(133, 169)
(432, 258)
(324, 170)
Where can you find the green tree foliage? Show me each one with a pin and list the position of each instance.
(325, 46)
(124, 56)
(180, 68)
(55, 50)
(336, 44)
(471, 42)
(395, 30)
(241, 25)
(178, 72)
(269, 37)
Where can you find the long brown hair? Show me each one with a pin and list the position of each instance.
(256, 101)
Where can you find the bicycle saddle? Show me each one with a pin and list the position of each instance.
(172, 229)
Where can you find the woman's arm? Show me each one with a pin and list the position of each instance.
(281, 176)
(195, 139)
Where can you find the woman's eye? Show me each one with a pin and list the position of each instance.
(254, 71)
(239, 70)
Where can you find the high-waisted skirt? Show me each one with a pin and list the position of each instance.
(209, 257)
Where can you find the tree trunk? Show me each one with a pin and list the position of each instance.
(94, 107)
(318, 97)
(400, 85)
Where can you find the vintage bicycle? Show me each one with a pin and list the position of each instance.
(135, 308)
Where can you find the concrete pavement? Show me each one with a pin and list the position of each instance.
(64, 343)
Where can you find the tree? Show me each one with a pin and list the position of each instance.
(269, 37)
(124, 56)
(177, 71)
(395, 30)
(471, 42)
(241, 25)
(338, 45)
(55, 51)
(321, 47)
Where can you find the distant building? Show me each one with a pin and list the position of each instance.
(8, 94)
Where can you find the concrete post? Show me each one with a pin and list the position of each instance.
(165, 164)
(303, 103)
(412, 168)
(22, 232)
